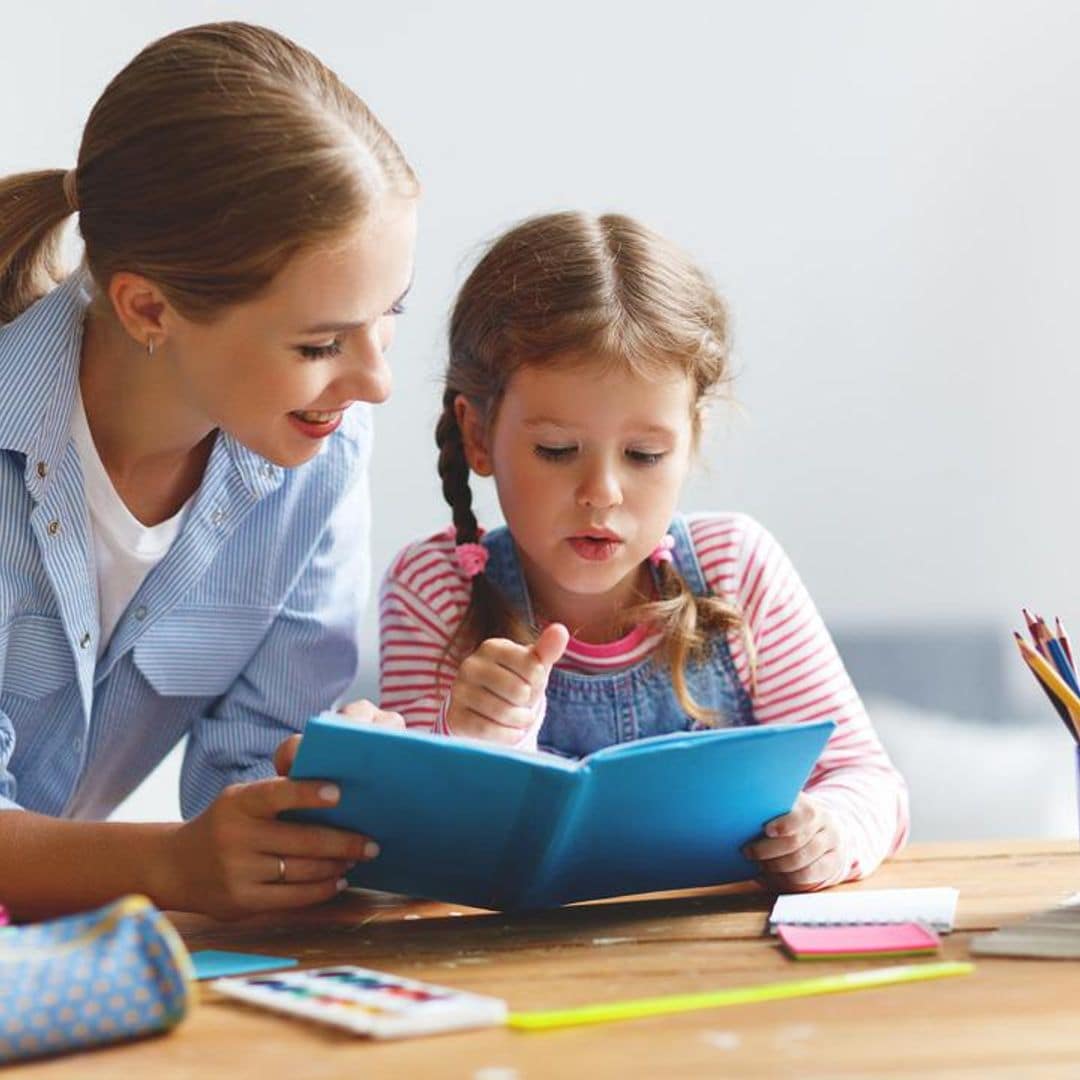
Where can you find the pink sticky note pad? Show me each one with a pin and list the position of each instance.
(841, 942)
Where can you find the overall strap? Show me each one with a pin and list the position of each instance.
(685, 557)
(504, 570)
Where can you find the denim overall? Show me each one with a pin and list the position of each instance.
(588, 712)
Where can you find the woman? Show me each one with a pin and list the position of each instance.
(183, 513)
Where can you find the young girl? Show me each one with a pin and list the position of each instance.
(183, 469)
(582, 353)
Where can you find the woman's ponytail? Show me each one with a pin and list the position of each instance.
(34, 208)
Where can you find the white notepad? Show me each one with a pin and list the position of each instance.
(933, 907)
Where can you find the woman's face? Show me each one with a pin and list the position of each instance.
(278, 372)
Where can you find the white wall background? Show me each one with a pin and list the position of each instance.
(885, 191)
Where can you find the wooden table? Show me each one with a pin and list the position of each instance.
(1010, 1018)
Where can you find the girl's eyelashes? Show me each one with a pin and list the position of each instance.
(553, 453)
(563, 453)
(319, 352)
(646, 457)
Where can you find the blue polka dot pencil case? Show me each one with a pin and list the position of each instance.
(101, 976)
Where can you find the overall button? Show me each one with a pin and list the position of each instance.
(54, 526)
(139, 613)
(84, 641)
(42, 469)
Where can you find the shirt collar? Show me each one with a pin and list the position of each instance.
(39, 371)
(39, 355)
(260, 476)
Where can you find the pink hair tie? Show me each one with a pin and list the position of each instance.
(472, 558)
(662, 551)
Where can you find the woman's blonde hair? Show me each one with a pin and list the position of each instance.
(213, 157)
(556, 289)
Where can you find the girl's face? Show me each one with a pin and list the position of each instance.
(278, 372)
(588, 461)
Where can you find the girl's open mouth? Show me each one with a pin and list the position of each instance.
(595, 548)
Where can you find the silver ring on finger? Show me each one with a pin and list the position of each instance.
(280, 879)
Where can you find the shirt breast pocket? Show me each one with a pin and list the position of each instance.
(37, 656)
(201, 651)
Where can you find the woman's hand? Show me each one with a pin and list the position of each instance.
(363, 712)
(228, 861)
(801, 849)
(498, 688)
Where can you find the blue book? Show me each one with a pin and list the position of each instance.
(473, 823)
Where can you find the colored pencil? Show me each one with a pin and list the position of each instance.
(1059, 626)
(1061, 662)
(1054, 681)
(1059, 707)
(1042, 636)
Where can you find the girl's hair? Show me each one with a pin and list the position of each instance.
(213, 157)
(566, 288)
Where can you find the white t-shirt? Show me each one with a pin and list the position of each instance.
(125, 550)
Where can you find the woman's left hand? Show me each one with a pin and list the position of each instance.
(363, 712)
(800, 851)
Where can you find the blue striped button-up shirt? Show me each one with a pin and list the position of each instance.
(245, 628)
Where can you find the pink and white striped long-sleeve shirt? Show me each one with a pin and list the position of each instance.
(798, 675)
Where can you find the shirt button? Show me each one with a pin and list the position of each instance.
(267, 470)
(54, 527)
(217, 517)
(84, 641)
(140, 613)
(42, 469)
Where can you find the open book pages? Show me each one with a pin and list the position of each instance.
(1051, 934)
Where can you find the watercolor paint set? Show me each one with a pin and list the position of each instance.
(365, 1002)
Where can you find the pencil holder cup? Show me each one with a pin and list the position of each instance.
(102, 976)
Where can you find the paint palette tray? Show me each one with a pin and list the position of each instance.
(367, 1002)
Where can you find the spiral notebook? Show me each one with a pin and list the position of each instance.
(935, 908)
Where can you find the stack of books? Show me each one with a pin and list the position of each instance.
(1054, 933)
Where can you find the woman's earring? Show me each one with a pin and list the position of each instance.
(150, 348)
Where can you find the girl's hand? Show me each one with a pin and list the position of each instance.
(801, 849)
(498, 688)
(363, 712)
(227, 862)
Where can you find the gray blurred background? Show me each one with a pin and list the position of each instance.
(885, 192)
